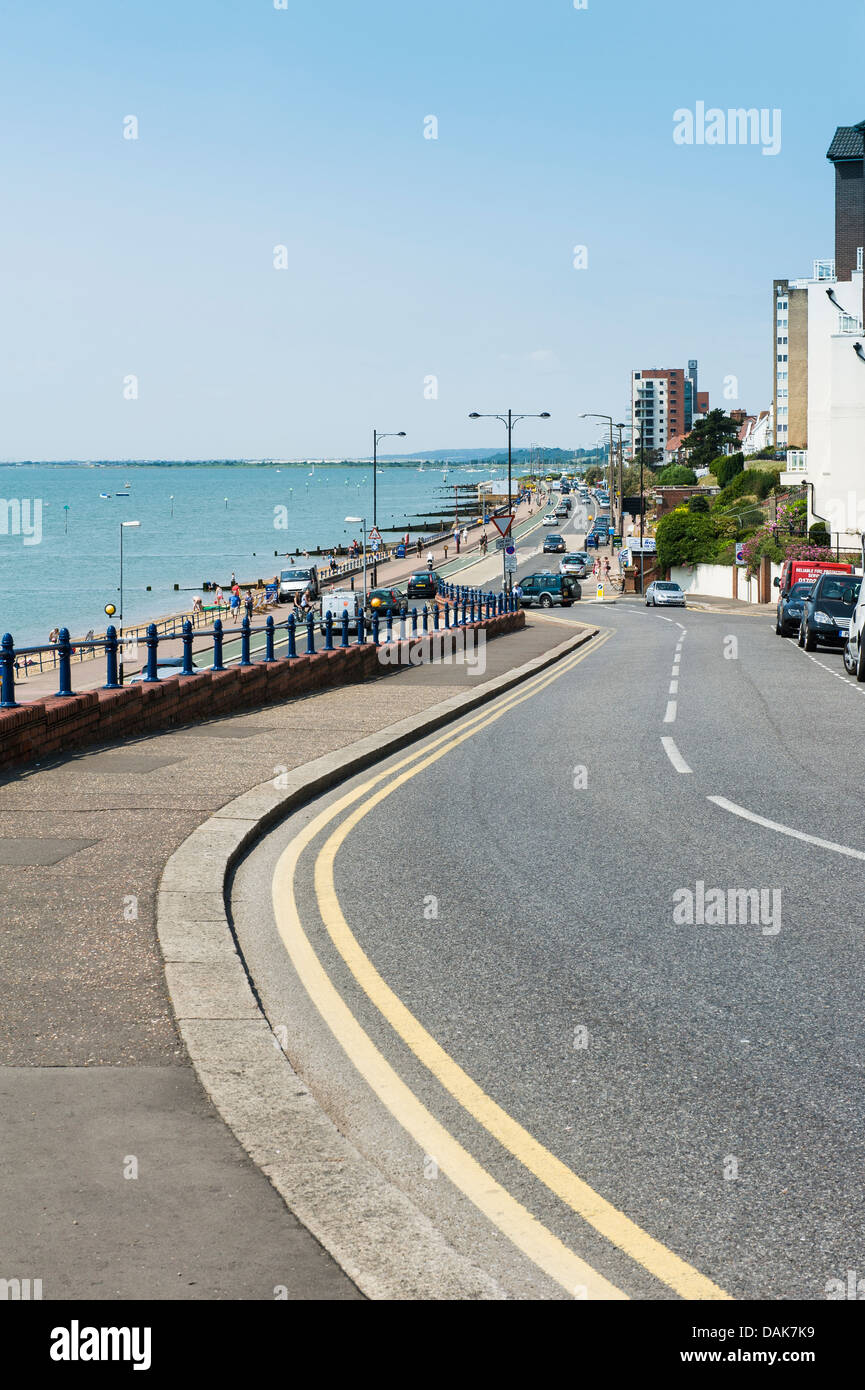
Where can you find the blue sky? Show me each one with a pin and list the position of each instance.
(407, 257)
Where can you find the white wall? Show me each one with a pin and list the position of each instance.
(836, 407)
(716, 581)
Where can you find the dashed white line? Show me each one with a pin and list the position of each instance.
(674, 687)
(670, 716)
(675, 757)
(786, 829)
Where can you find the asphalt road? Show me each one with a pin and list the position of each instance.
(702, 1077)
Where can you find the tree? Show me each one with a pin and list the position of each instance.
(685, 538)
(725, 468)
(676, 476)
(709, 438)
(698, 503)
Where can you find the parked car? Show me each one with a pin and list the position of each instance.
(854, 651)
(294, 583)
(664, 594)
(576, 564)
(789, 612)
(554, 544)
(546, 589)
(423, 584)
(828, 610)
(592, 541)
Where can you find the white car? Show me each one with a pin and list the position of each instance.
(577, 564)
(551, 520)
(664, 594)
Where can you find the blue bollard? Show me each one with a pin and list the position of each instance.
(292, 637)
(361, 626)
(472, 610)
(425, 618)
(414, 622)
(435, 613)
(269, 638)
(310, 634)
(188, 668)
(7, 672)
(328, 631)
(64, 652)
(375, 628)
(218, 664)
(245, 632)
(111, 644)
(447, 616)
(389, 627)
(344, 638)
(152, 640)
(464, 611)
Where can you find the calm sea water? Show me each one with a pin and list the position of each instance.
(221, 519)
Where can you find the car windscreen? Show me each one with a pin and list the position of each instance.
(800, 591)
(295, 574)
(843, 591)
(673, 588)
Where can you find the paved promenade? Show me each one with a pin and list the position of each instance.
(119, 1179)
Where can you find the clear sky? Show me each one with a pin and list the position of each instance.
(407, 257)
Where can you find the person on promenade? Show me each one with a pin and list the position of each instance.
(248, 602)
(234, 604)
(465, 535)
(429, 560)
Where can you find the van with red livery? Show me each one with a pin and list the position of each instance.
(806, 572)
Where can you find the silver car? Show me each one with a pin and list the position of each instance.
(577, 563)
(664, 594)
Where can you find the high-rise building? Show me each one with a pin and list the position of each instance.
(790, 359)
(665, 402)
(847, 153)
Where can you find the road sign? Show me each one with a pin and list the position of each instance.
(374, 534)
(510, 563)
(500, 542)
(510, 548)
(503, 524)
(740, 555)
(600, 591)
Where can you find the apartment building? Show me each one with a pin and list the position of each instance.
(790, 358)
(665, 402)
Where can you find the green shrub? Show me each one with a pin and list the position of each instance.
(685, 538)
(818, 534)
(677, 475)
(698, 504)
(754, 482)
(726, 468)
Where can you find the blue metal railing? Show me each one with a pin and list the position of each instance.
(461, 606)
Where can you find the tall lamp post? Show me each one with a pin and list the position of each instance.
(593, 415)
(361, 521)
(509, 421)
(123, 526)
(376, 436)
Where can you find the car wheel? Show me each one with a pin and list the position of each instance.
(810, 642)
(800, 636)
(546, 601)
(779, 631)
(860, 664)
(850, 662)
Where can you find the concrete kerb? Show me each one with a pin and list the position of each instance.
(376, 1234)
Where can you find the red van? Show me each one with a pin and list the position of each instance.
(806, 572)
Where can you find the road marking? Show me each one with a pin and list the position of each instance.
(786, 829)
(670, 716)
(676, 670)
(675, 757)
(532, 1238)
(674, 687)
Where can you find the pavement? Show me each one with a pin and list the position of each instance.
(140, 1190)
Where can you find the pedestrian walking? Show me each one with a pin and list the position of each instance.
(249, 601)
(465, 535)
(457, 540)
(429, 561)
(234, 605)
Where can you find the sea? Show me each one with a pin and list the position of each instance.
(197, 523)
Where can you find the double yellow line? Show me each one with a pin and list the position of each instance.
(509, 1216)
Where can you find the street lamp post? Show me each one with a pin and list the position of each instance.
(123, 526)
(361, 521)
(509, 420)
(376, 436)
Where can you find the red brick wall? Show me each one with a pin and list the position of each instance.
(37, 731)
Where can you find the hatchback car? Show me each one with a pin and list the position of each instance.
(576, 564)
(554, 544)
(550, 520)
(664, 594)
(545, 590)
(789, 612)
(828, 610)
(380, 600)
(424, 584)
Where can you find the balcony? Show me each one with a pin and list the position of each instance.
(795, 467)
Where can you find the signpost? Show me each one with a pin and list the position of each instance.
(601, 592)
(503, 525)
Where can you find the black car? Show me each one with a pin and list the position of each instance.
(789, 613)
(827, 611)
(554, 544)
(424, 584)
(547, 589)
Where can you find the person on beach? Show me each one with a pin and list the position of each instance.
(220, 598)
(234, 604)
(54, 635)
(249, 602)
(233, 579)
(197, 604)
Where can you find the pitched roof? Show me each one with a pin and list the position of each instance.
(848, 142)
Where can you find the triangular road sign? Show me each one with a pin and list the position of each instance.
(374, 534)
(503, 524)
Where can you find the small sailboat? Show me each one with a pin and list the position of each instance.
(105, 494)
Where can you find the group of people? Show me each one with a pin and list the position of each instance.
(233, 603)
